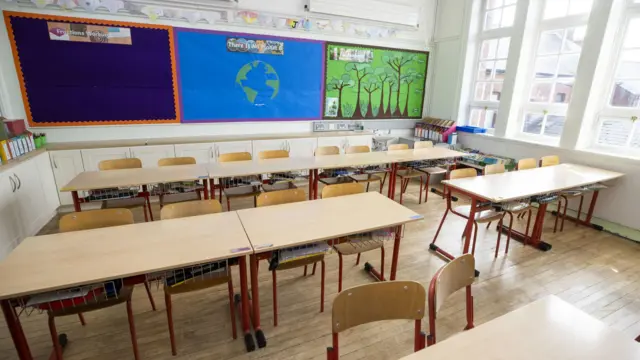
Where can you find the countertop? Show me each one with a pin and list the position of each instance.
(26, 157)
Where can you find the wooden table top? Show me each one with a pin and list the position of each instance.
(253, 167)
(280, 226)
(524, 183)
(92, 180)
(51, 262)
(546, 329)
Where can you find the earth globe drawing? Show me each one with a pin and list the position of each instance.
(259, 82)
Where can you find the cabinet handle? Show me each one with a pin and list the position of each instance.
(126, 155)
(211, 152)
(19, 181)
(55, 164)
(13, 184)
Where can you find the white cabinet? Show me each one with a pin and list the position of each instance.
(149, 155)
(266, 145)
(303, 147)
(48, 183)
(359, 140)
(67, 164)
(30, 196)
(9, 222)
(203, 153)
(226, 147)
(339, 141)
(92, 157)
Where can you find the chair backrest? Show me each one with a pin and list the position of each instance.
(327, 150)
(238, 156)
(95, 219)
(388, 300)
(393, 147)
(177, 161)
(457, 274)
(131, 163)
(494, 169)
(342, 189)
(530, 163)
(550, 160)
(358, 149)
(273, 154)
(463, 173)
(190, 208)
(423, 144)
(280, 197)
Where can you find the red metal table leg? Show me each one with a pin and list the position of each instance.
(76, 201)
(587, 220)
(315, 184)
(205, 183)
(255, 300)
(311, 184)
(15, 328)
(396, 252)
(535, 239)
(244, 300)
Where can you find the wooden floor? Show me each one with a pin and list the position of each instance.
(593, 270)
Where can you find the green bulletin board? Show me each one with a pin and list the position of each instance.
(373, 83)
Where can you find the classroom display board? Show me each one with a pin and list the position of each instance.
(373, 83)
(243, 77)
(75, 71)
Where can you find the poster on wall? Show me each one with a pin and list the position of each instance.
(242, 77)
(75, 71)
(373, 83)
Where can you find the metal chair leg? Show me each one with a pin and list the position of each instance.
(148, 289)
(81, 317)
(339, 272)
(232, 309)
(499, 236)
(358, 259)
(321, 285)
(313, 270)
(132, 330)
(579, 210)
(564, 214)
(475, 236)
(558, 210)
(172, 336)
(275, 298)
(440, 227)
(506, 250)
(54, 338)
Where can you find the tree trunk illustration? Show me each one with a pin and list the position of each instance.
(369, 113)
(387, 113)
(406, 106)
(397, 110)
(357, 114)
(340, 102)
(381, 108)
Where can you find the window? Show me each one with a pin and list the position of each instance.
(626, 88)
(499, 14)
(554, 68)
(491, 68)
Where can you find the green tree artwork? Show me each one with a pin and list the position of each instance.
(374, 83)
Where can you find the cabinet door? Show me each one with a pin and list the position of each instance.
(303, 147)
(149, 155)
(92, 157)
(10, 233)
(66, 164)
(266, 145)
(226, 147)
(339, 141)
(30, 197)
(48, 185)
(359, 140)
(203, 153)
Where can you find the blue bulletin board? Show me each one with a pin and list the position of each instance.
(243, 77)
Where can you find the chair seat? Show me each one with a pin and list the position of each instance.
(299, 262)
(571, 193)
(356, 247)
(124, 203)
(178, 198)
(335, 180)
(410, 173)
(433, 170)
(284, 185)
(484, 216)
(99, 303)
(365, 178)
(242, 191)
(516, 207)
(198, 283)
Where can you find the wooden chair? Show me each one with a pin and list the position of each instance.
(389, 300)
(169, 194)
(140, 200)
(454, 276)
(286, 197)
(550, 160)
(526, 164)
(431, 170)
(331, 179)
(285, 183)
(483, 214)
(565, 195)
(87, 220)
(187, 209)
(366, 176)
(407, 173)
(510, 208)
(346, 248)
(234, 191)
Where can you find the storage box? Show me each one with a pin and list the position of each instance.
(471, 129)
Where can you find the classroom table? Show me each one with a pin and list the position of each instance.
(523, 184)
(282, 226)
(313, 164)
(47, 263)
(549, 328)
(95, 180)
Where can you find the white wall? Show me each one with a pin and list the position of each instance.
(618, 204)
(11, 105)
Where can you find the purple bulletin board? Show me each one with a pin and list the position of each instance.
(70, 75)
